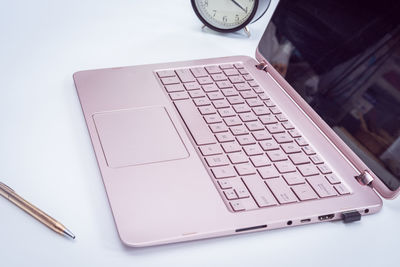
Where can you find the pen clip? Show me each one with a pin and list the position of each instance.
(6, 187)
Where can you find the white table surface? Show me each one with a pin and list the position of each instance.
(47, 157)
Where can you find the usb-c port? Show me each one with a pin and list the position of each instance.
(305, 220)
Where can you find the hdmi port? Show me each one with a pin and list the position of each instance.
(326, 217)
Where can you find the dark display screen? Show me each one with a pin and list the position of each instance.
(343, 58)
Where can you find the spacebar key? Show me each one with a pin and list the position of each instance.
(195, 123)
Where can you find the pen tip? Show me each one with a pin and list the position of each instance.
(69, 233)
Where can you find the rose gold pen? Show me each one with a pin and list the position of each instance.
(39, 215)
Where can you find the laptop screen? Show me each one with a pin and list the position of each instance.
(343, 58)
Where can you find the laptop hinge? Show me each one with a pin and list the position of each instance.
(365, 178)
(262, 65)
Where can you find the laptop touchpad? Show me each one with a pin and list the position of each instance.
(138, 136)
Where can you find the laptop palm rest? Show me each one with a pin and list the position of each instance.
(138, 136)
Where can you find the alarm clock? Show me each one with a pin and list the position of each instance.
(229, 15)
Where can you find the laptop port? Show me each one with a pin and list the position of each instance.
(326, 217)
(251, 228)
(305, 220)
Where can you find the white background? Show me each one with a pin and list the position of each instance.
(46, 154)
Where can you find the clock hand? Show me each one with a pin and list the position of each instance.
(236, 3)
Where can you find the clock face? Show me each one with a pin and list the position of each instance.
(226, 14)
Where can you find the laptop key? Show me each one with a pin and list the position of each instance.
(261, 135)
(268, 172)
(252, 150)
(231, 147)
(218, 128)
(268, 119)
(230, 72)
(269, 145)
(301, 141)
(242, 192)
(226, 66)
(204, 80)
(165, 73)
(213, 118)
(213, 69)
(304, 192)
(206, 110)
(239, 130)
(342, 189)
(242, 86)
(276, 155)
(245, 169)
(192, 86)
(236, 79)
(209, 150)
(170, 80)
(254, 126)
(224, 84)
(333, 179)
(321, 186)
(324, 169)
(216, 161)
(224, 137)
(232, 121)
(285, 166)
(308, 150)
(225, 184)
(282, 138)
(223, 172)
(229, 92)
(199, 102)
(293, 178)
(259, 191)
(316, 159)
(238, 157)
(195, 123)
(275, 128)
(174, 88)
(260, 161)
(299, 158)
(199, 72)
(260, 111)
(308, 170)
(224, 112)
(235, 100)
(281, 191)
(237, 205)
(218, 77)
(185, 75)
(245, 117)
(179, 95)
(196, 94)
(245, 140)
(290, 148)
(230, 194)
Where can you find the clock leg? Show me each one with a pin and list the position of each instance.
(247, 31)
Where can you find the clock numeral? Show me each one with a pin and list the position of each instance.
(206, 3)
(225, 19)
(237, 17)
(214, 12)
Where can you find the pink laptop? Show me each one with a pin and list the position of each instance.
(216, 147)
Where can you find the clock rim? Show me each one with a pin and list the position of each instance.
(241, 26)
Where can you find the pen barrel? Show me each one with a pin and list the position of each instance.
(36, 213)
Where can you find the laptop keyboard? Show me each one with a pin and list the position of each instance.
(253, 152)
